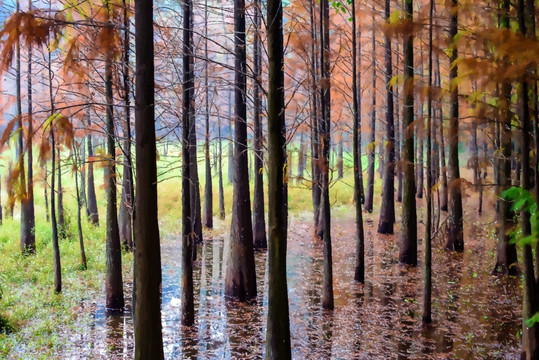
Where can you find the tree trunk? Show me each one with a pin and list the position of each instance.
(445, 193)
(340, 163)
(408, 244)
(126, 205)
(372, 144)
(83, 262)
(27, 240)
(315, 129)
(530, 334)
(455, 234)
(93, 214)
(301, 157)
(278, 325)
(188, 240)
(148, 336)
(240, 279)
(420, 142)
(327, 282)
(426, 317)
(231, 142)
(359, 273)
(208, 190)
(114, 283)
(55, 246)
(60, 193)
(259, 223)
(399, 143)
(221, 189)
(45, 186)
(196, 209)
(387, 211)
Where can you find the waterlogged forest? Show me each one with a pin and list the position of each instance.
(212, 179)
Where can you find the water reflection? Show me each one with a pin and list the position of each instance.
(475, 315)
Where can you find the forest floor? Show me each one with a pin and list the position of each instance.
(475, 315)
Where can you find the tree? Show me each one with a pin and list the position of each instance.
(208, 192)
(148, 336)
(278, 326)
(188, 239)
(240, 278)
(427, 272)
(506, 259)
(93, 214)
(530, 296)
(408, 242)
(114, 282)
(455, 234)
(369, 198)
(387, 211)
(126, 204)
(359, 273)
(325, 122)
(259, 223)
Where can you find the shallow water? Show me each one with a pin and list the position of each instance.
(476, 316)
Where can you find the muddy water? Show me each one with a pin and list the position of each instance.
(476, 315)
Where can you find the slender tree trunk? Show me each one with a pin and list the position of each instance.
(278, 324)
(82, 166)
(359, 273)
(301, 157)
(148, 336)
(408, 244)
(327, 282)
(114, 282)
(196, 209)
(315, 128)
(445, 192)
(188, 240)
(240, 279)
(126, 205)
(420, 142)
(10, 191)
(399, 142)
(372, 145)
(27, 240)
(45, 186)
(83, 262)
(387, 211)
(427, 272)
(208, 189)
(340, 163)
(259, 223)
(231, 142)
(55, 246)
(93, 214)
(530, 305)
(455, 234)
(221, 189)
(60, 194)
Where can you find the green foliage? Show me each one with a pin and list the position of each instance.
(523, 200)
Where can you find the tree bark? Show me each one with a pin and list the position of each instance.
(126, 205)
(240, 279)
(93, 214)
(359, 273)
(372, 144)
(114, 282)
(408, 242)
(327, 281)
(455, 234)
(387, 211)
(207, 218)
(278, 324)
(259, 222)
(148, 335)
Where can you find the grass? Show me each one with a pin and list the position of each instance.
(33, 317)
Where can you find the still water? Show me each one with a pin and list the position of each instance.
(476, 315)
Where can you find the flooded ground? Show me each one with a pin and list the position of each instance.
(476, 315)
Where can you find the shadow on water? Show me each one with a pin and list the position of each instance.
(475, 315)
